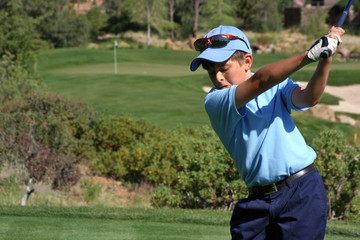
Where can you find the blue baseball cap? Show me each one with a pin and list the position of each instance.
(222, 54)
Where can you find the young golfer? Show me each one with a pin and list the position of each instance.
(250, 112)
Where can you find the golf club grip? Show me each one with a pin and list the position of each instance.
(326, 53)
(342, 19)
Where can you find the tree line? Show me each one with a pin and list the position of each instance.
(57, 24)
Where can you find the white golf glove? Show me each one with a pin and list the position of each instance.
(323, 48)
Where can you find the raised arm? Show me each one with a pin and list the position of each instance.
(310, 95)
(270, 75)
(267, 77)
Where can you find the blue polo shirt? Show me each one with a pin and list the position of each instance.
(261, 136)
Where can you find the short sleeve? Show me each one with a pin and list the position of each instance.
(286, 88)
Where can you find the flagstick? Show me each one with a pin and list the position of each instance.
(115, 58)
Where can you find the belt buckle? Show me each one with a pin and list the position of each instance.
(273, 187)
(254, 190)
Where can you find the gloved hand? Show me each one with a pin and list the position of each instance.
(324, 44)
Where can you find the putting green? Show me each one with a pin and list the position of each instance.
(131, 68)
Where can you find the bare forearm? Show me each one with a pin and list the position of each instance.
(311, 94)
(317, 83)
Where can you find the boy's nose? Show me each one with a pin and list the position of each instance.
(219, 76)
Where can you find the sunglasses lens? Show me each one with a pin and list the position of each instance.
(200, 44)
(219, 41)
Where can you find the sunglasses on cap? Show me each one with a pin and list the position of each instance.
(215, 41)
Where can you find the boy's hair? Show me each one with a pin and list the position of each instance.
(237, 56)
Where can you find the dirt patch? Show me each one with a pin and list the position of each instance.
(98, 190)
(90, 190)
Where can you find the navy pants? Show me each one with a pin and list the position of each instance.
(297, 211)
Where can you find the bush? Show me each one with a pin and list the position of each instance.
(166, 196)
(123, 149)
(338, 164)
(189, 163)
(354, 210)
(205, 174)
(15, 80)
(36, 132)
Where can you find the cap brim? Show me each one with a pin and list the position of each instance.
(212, 55)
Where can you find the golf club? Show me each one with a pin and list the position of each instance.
(326, 54)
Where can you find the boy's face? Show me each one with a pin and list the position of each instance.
(225, 74)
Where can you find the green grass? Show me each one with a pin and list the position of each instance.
(311, 127)
(162, 101)
(55, 223)
(72, 57)
(329, 99)
(152, 84)
(92, 229)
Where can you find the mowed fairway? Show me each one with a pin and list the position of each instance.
(33, 228)
(163, 92)
(55, 228)
(35, 223)
(152, 84)
(86, 223)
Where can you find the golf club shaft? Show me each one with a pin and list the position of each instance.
(344, 14)
(326, 53)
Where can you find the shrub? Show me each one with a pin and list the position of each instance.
(36, 132)
(114, 145)
(354, 210)
(206, 176)
(338, 164)
(189, 163)
(166, 196)
(15, 80)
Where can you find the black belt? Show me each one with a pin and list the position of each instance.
(274, 187)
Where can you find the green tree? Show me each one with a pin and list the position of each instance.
(172, 4)
(16, 35)
(217, 12)
(261, 15)
(151, 13)
(42, 8)
(98, 21)
(69, 30)
(188, 15)
(184, 17)
(56, 24)
(113, 7)
(17, 60)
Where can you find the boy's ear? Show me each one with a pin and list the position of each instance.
(248, 61)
